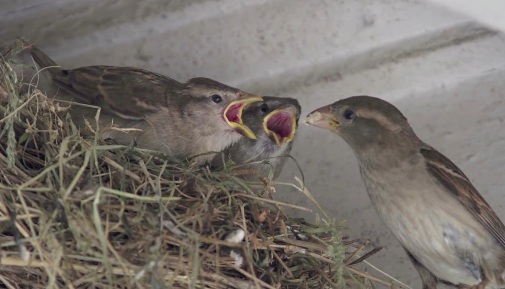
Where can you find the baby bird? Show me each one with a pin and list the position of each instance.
(274, 122)
(449, 231)
(180, 119)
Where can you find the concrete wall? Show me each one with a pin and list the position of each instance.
(443, 70)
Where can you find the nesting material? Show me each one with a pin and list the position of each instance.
(76, 212)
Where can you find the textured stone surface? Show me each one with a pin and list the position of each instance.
(444, 71)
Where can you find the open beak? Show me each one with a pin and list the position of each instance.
(280, 125)
(323, 118)
(233, 115)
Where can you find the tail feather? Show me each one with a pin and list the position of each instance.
(54, 79)
(44, 62)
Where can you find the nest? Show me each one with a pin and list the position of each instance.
(76, 212)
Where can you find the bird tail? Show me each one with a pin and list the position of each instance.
(44, 62)
(54, 83)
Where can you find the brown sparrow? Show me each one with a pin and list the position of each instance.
(157, 112)
(449, 231)
(274, 122)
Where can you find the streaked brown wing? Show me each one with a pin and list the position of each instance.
(460, 186)
(125, 91)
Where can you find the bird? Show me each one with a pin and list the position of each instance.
(448, 230)
(274, 122)
(153, 111)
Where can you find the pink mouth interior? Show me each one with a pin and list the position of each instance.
(232, 114)
(281, 124)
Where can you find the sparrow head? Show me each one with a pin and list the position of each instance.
(364, 122)
(274, 121)
(275, 118)
(222, 101)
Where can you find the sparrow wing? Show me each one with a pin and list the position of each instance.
(128, 92)
(455, 181)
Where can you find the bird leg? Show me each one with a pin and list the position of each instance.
(428, 280)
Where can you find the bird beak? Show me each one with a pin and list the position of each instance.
(280, 125)
(323, 118)
(233, 115)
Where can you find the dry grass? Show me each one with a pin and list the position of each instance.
(76, 212)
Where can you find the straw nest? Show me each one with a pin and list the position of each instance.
(76, 212)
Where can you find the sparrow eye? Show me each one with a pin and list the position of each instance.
(264, 108)
(216, 98)
(348, 114)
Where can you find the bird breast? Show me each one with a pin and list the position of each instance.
(431, 224)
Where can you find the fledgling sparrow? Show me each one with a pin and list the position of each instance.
(274, 122)
(180, 119)
(449, 231)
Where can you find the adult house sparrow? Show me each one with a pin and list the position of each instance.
(274, 122)
(157, 112)
(449, 231)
